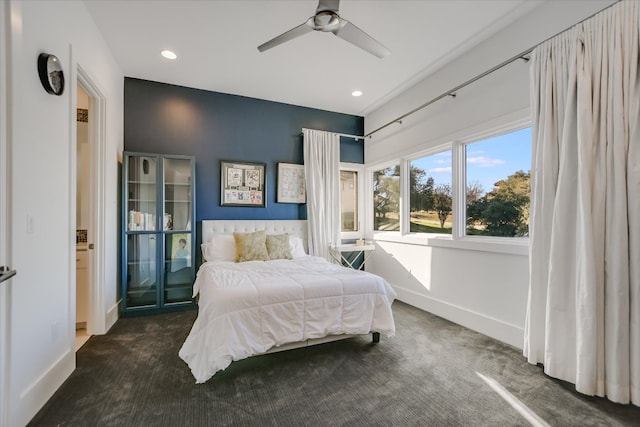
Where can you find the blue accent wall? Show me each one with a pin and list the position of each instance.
(212, 126)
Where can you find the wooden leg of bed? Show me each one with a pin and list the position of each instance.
(376, 337)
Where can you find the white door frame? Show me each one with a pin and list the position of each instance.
(5, 197)
(96, 321)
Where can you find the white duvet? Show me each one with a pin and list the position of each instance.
(247, 308)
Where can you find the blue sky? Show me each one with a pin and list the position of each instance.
(488, 161)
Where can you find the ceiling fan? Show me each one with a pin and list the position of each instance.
(327, 20)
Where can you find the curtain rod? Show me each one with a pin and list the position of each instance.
(452, 92)
(346, 135)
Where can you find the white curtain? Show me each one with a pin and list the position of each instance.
(583, 314)
(322, 174)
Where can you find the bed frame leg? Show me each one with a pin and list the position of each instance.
(376, 337)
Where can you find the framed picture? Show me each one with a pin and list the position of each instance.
(180, 251)
(291, 183)
(242, 184)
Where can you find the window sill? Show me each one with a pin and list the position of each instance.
(501, 245)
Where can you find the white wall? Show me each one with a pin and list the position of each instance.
(481, 287)
(42, 295)
(552, 17)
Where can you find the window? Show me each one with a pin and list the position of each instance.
(386, 199)
(349, 200)
(497, 187)
(462, 191)
(430, 198)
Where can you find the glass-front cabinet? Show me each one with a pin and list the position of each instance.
(158, 214)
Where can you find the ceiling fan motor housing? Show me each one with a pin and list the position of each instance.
(326, 21)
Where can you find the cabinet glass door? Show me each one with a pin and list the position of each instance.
(142, 273)
(177, 194)
(157, 212)
(178, 274)
(141, 194)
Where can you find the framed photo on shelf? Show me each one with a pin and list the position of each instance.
(242, 184)
(180, 251)
(291, 187)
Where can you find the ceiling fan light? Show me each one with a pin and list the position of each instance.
(356, 93)
(168, 54)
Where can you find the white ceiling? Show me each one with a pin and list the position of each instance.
(216, 43)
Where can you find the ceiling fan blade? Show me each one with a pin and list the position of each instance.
(298, 31)
(331, 5)
(354, 35)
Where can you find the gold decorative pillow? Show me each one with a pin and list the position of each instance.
(251, 246)
(278, 246)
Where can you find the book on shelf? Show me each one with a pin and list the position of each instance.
(141, 221)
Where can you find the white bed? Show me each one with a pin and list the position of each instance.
(255, 307)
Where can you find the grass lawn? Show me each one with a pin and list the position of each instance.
(422, 228)
(421, 222)
(428, 222)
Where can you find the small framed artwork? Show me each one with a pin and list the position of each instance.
(242, 184)
(180, 251)
(291, 187)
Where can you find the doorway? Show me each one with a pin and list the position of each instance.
(84, 146)
(93, 164)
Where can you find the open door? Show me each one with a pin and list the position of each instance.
(94, 193)
(84, 144)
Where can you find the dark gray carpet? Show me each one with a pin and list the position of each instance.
(425, 376)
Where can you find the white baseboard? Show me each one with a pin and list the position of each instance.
(495, 328)
(112, 316)
(27, 403)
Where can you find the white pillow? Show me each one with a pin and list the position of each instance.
(296, 246)
(221, 247)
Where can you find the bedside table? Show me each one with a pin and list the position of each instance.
(362, 252)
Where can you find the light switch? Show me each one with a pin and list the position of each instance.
(29, 223)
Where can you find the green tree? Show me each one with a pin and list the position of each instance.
(421, 190)
(474, 191)
(501, 216)
(517, 189)
(442, 202)
(428, 191)
(504, 210)
(386, 194)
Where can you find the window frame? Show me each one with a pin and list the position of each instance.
(360, 188)
(458, 239)
(461, 175)
(406, 212)
(369, 195)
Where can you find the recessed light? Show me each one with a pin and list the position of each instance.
(356, 93)
(168, 54)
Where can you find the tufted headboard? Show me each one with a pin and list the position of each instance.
(295, 227)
